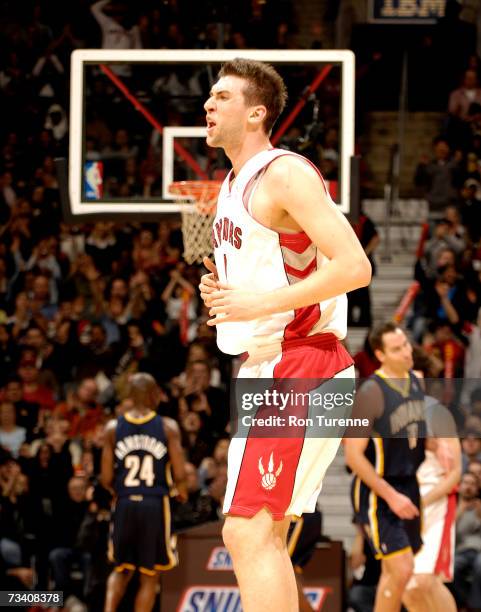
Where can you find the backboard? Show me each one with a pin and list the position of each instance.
(137, 123)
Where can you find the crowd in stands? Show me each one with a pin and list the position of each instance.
(445, 317)
(82, 307)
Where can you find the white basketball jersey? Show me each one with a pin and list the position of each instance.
(255, 258)
(430, 472)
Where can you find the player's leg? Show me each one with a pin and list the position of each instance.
(145, 598)
(123, 539)
(427, 593)
(395, 574)
(441, 597)
(304, 605)
(261, 562)
(417, 595)
(116, 587)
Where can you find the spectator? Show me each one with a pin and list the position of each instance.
(26, 413)
(471, 208)
(457, 234)
(199, 508)
(81, 409)
(198, 395)
(17, 522)
(180, 300)
(471, 445)
(101, 245)
(7, 354)
(43, 296)
(67, 522)
(437, 247)
(467, 560)
(115, 34)
(195, 438)
(93, 539)
(474, 467)
(11, 436)
(365, 361)
(472, 361)
(20, 319)
(439, 177)
(359, 306)
(33, 391)
(210, 466)
(461, 100)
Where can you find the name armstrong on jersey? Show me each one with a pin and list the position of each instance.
(140, 442)
(412, 410)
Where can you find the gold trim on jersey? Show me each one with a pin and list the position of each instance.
(393, 554)
(147, 572)
(372, 512)
(170, 540)
(124, 566)
(140, 420)
(357, 494)
(407, 385)
(296, 532)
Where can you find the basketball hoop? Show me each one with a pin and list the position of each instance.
(197, 218)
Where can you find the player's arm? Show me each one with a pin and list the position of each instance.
(107, 462)
(296, 188)
(450, 479)
(369, 404)
(445, 444)
(176, 456)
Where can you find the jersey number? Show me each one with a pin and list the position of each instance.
(144, 470)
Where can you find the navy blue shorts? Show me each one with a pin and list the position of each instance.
(385, 531)
(141, 535)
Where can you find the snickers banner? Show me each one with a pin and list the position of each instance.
(405, 11)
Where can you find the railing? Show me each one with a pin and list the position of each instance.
(406, 301)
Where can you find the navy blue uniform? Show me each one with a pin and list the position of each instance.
(396, 450)
(142, 524)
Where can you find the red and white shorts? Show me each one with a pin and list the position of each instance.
(438, 533)
(284, 474)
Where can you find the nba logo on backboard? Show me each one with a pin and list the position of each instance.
(94, 182)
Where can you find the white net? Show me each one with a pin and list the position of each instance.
(200, 200)
(197, 235)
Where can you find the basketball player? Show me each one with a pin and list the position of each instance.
(135, 465)
(284, 259)
(386, 496)
(434, 563)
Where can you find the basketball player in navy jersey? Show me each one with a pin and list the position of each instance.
(139, 451)
(385, 490)
(285, 257)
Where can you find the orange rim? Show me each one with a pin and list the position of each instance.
(203, 194)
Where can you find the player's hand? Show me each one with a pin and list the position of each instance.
(208, 282)
(182, 495)
(232, 305)
(402, 506)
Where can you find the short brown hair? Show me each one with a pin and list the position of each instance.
(377, 333)
(264, 86)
